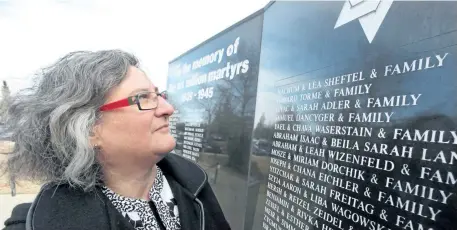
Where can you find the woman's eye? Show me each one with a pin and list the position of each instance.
(143, 96)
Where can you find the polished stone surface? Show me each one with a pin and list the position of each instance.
(344, 117)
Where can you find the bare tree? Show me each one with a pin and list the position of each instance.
(5, 92)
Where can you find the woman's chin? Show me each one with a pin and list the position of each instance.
(166, 145)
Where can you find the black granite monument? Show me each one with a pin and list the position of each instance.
(326, 115)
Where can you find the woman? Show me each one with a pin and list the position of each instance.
(95, 128)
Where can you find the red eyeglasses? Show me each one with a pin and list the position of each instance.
(144, 101)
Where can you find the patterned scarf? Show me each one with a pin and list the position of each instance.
(138, 211)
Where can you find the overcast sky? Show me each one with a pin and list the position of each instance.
(35, 33)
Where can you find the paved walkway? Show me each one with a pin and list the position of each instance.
(7, 202)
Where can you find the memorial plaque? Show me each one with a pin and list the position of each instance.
(356, 116)
(213, 89)
(332, 115)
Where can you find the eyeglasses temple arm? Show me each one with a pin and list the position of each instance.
(116, 104)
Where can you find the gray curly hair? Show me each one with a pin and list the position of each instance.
(51, 122)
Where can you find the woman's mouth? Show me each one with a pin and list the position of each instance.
(163, 128)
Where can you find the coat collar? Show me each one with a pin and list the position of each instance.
(187, 173)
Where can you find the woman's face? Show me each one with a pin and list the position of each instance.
(129, 134)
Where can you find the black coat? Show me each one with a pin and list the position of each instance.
(63, 207)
